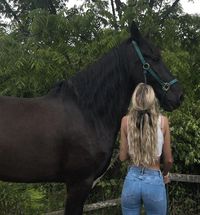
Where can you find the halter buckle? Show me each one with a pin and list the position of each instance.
(166, 86)
(147, 69)
(146, 66)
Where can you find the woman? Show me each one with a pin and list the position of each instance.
(144, 137)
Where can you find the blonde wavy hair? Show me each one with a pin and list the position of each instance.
(142, 126)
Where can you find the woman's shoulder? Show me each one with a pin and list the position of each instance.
(124, 121)
(164, 118)
(164, 122)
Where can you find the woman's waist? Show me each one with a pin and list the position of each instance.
(141, 170)
(154, 166)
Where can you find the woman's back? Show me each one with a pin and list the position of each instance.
(159, 144)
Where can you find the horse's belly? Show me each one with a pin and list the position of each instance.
(22, 159)
(29, 171)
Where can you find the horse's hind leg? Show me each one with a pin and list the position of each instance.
(77, 193)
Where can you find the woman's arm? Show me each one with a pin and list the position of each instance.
(167, 153)
(123, 153)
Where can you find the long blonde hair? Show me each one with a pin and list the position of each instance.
(142, 125)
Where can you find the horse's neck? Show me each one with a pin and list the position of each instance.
(104, 89)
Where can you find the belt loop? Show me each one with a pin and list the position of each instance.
(142, 170)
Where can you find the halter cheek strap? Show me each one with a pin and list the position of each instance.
(147, 69)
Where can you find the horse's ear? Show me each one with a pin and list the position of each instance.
(135, 33)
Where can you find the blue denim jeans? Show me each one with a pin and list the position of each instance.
(145, 186)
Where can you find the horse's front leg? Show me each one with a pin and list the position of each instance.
(77, 193)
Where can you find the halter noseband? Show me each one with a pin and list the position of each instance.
(147, 69)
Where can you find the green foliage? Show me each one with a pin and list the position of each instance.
(186, 138)
(184, 198)
(28, 199)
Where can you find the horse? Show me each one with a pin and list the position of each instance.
(68, 134)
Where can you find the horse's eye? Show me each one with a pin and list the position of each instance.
(156, 59)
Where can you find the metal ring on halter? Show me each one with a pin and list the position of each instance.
(146, 66)
(165, 86)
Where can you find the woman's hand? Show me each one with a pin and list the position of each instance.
(166, 178)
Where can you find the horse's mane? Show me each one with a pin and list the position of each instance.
(63, 88)
(98, 87)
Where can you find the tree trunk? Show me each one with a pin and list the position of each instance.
(11, 11)
(114, 15)
(119, 6)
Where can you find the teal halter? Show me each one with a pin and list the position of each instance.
(147, 69)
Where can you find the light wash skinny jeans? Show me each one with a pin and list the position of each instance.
(143, 185)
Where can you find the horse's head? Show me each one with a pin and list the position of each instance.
(151, 69)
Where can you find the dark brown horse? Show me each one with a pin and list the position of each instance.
(68, 135)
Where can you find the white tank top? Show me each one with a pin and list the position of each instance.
(160, 137)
